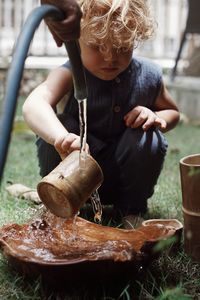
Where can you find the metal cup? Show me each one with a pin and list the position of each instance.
(65, 189)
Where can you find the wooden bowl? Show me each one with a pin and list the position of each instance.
(79, 250)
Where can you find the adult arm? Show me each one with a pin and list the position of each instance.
(69, 28)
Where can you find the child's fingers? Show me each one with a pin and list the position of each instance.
(63, 144)
(142, 117)
(149, 123)
(160, 123)
(75, 145)
(154, 122)
(130, 117)
(69, 141)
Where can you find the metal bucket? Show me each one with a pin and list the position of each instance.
(68, 186)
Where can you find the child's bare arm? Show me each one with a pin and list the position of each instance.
(166, 109)
(38, 112)
(165, 116)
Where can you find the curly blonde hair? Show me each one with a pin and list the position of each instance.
(122, 23)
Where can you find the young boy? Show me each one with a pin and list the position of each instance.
(128, 106)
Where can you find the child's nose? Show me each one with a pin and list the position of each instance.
(110, 56)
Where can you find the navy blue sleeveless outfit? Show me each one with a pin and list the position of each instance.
(131, 159)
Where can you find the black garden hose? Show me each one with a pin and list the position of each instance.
(16, 71)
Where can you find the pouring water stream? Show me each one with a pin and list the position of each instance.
(95, 199)
(80, 93)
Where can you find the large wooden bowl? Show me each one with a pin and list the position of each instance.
(55, 248)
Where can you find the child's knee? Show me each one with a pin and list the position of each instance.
(137, 144)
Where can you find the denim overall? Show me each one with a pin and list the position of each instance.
(131, 159)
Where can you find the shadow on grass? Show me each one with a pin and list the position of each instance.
(147, 284)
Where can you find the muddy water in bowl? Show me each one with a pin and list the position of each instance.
(51, 239)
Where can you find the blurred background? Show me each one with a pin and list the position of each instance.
(177, 43)
(171, 17)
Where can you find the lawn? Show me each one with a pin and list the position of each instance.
(173, 276)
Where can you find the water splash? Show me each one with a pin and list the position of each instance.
(97, 207)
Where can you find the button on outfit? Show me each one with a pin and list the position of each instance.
(116, 109)
(117, 79)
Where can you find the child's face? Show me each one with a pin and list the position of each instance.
(105, 66)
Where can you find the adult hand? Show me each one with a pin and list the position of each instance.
(143, 116)
(66, 144)
(69, 28)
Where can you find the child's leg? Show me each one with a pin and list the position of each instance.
(48, 157)
(140, 157)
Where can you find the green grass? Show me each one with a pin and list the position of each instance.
(171, 276)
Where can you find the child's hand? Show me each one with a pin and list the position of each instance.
(143, 116)
(67, 144)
